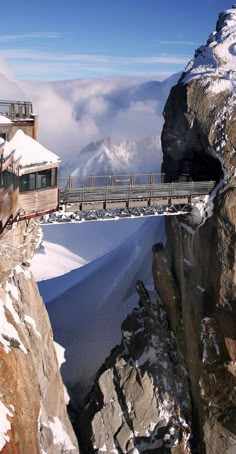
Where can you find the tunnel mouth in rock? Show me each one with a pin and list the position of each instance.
(200, 167)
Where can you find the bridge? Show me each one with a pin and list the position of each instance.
(96, 197)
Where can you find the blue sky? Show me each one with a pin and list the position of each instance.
(68, 39)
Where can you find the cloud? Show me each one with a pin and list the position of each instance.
(74, 113)
(29, 54)
(35, 35)
(181, 43)
(38, 64)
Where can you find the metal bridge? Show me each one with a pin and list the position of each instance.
(98, 197)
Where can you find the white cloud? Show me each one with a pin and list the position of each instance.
(75, 113)
(35, 35)
(36, 64)
(29, 54)
(181, 43)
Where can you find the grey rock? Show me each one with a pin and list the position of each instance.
(199, 137)
(139, 400)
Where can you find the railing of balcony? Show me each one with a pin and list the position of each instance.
(16, 109)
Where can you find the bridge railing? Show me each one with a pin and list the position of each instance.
(110, 180)
(151, 191)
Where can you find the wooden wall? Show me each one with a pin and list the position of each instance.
(31, 202)
(8, 204)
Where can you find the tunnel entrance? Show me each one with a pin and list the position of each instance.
(200, 167)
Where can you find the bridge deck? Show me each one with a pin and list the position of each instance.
(138, 195)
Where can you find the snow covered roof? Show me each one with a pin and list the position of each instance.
(218, 57)
(31, 152)
(4, 120)
(7, 149)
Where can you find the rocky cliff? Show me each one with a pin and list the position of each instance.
(169, 387)
(140, 402)
(199, 142)
(33, 416)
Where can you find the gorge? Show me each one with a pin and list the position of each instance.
(169, 386)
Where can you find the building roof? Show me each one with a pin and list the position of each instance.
(31, 152)
(4, 120)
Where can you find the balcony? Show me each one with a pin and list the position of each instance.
(16, 110)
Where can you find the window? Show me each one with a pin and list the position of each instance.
(4, 135)
(38, 180)
(44, 179)
(7, 178)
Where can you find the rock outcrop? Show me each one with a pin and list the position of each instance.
(140, 401)
(199, 142)
(33, 415)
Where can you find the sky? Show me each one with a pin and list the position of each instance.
(71, 39)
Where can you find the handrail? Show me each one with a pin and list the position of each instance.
(152, 191)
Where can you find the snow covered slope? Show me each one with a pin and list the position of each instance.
(69, 246)
(87, 305)
(105, 157)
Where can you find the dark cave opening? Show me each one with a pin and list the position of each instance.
(199, 167)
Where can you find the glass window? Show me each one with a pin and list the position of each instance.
(38, 180)
(32, 177)
(44, 179)
(27, 182)
(7, 178)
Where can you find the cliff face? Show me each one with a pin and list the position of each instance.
(33, 417)
(199, 139)
(140, 401)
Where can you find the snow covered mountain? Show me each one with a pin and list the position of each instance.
(216, 59)
(90, 110)
(105, 157)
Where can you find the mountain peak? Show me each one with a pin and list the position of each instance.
(217, 59)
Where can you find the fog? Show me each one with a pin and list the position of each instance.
(76, 112)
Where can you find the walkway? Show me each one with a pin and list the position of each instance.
(120, 195)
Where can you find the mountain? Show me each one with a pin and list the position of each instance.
(105, 157)
(199, 129)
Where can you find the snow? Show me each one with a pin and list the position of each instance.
(7, 330)
(216, 61)
(78, 244)
(7, 149)
(149, 355)
(5, 424)
(60, 437)
(26, 271)
(209, 339)
(87, 305)
(32, 322)
(60, 352)
(30, 151)
(47, 262)
(12, 289)
(105, 157)
(4, 120)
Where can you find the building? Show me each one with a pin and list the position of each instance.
(16, 115)
(28, 171)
